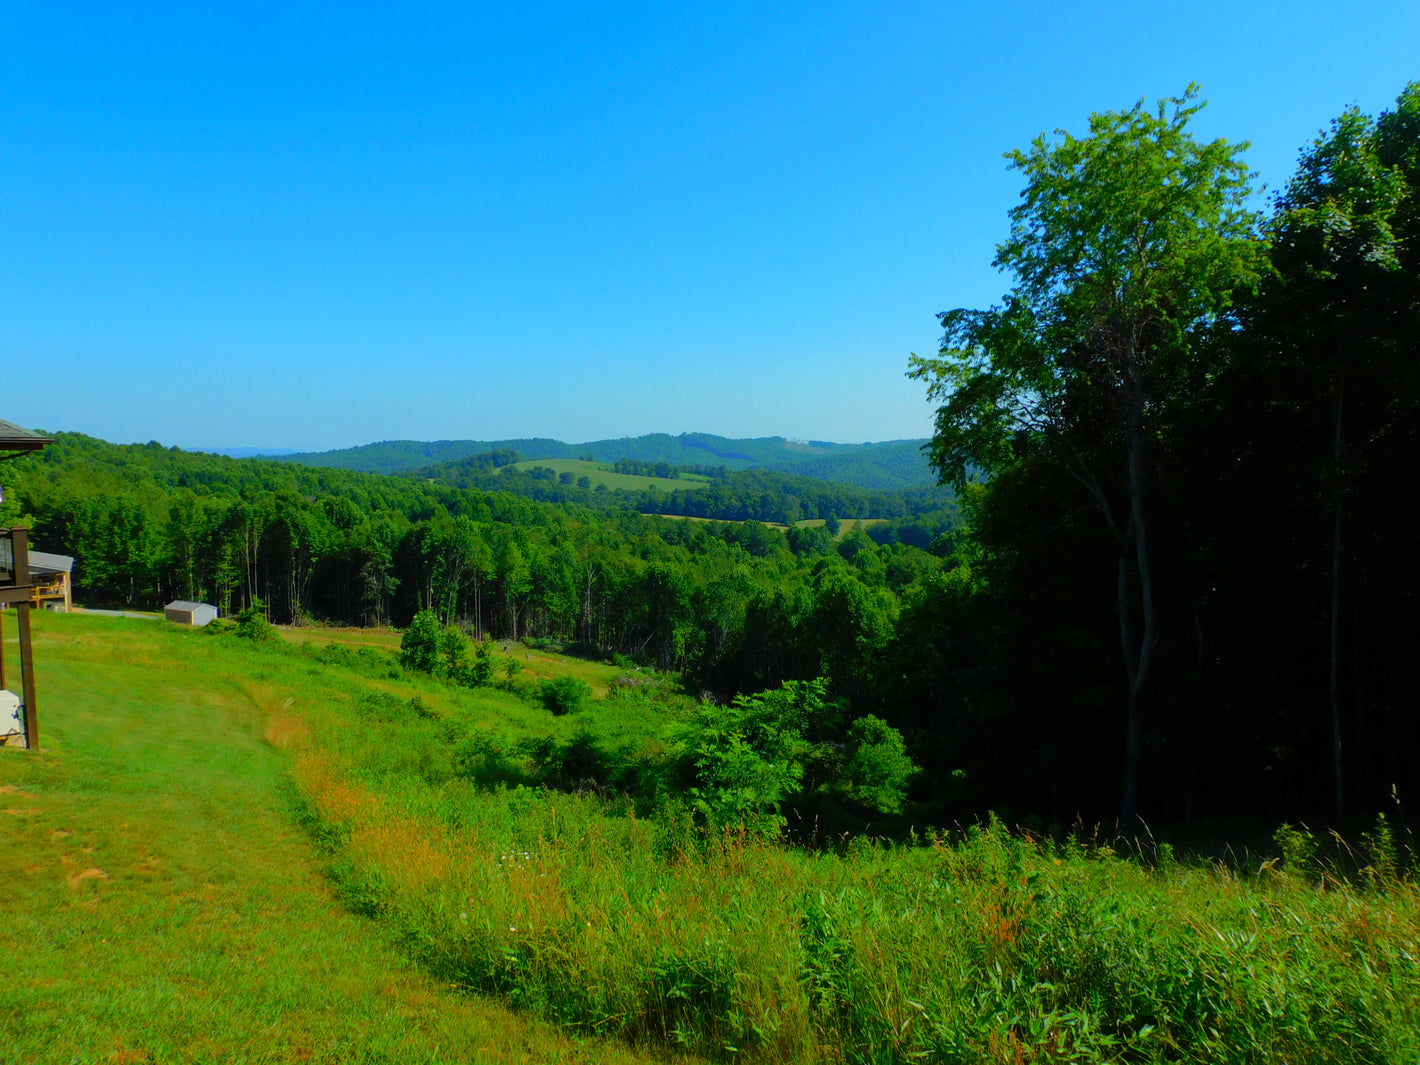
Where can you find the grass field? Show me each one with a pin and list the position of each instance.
(165, 901)
(845, 525)
(602, 473)
(532, 664)
(187, 856)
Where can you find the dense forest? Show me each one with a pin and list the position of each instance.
(1186, 448)
(731, 495)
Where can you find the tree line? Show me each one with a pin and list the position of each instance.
(1189, 439)
(733, 495)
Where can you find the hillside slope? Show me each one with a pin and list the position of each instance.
(890, 464)
(166, 903)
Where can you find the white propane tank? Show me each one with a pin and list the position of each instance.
(12, 720)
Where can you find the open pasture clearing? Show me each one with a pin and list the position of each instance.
(602, 473)
(845, 525)
(164, 901)
(379, 639)
(530, 664)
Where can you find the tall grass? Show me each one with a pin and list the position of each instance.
(988, 946)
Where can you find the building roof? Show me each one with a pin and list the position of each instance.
(44, 562)
(186, 606)
(16, 438)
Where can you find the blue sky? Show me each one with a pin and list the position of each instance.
(315, 226)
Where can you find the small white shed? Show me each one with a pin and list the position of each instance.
(185, 613)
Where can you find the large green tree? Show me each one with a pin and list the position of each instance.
(1128, 245)
(1319, 405)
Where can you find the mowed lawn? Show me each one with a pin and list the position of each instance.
(163, 901)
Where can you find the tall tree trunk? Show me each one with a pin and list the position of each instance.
(1398, 705)
(1338, 781)
(587, 604)
(1360, 740)
(1138, 639)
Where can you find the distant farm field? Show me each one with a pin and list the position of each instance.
(602, 473)
(845, 525)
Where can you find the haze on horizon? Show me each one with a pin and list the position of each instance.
(282, 227)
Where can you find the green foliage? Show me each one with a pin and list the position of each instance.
(168, 851)
(1381, 849)
(485, 759)
(419, 647)
(876, 768)
(740, 763)
(564, 694)
(779, 496)
(1299, 849)
(453, 649)
(481, 671)
(1124, 241)
(743, 760)
(252, 623)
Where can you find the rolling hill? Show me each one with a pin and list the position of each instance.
(885, 465)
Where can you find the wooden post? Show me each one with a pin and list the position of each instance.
(27, 677)
(27, 668)
(2, 649)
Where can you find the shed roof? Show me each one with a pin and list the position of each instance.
(187, 606)
(17, 438)
(44, 562)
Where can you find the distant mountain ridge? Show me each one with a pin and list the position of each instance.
(246, 452)
(885, 465)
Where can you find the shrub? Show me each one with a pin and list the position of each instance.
(453, 647)
(480, 671)
(742, 762)
(877, 768)
(564, 695)
(745, 759)
(252, 623)
(1299, 848)
(419, 646)
(485, 759)
(577, 765)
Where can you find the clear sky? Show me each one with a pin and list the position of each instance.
(313, 226)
